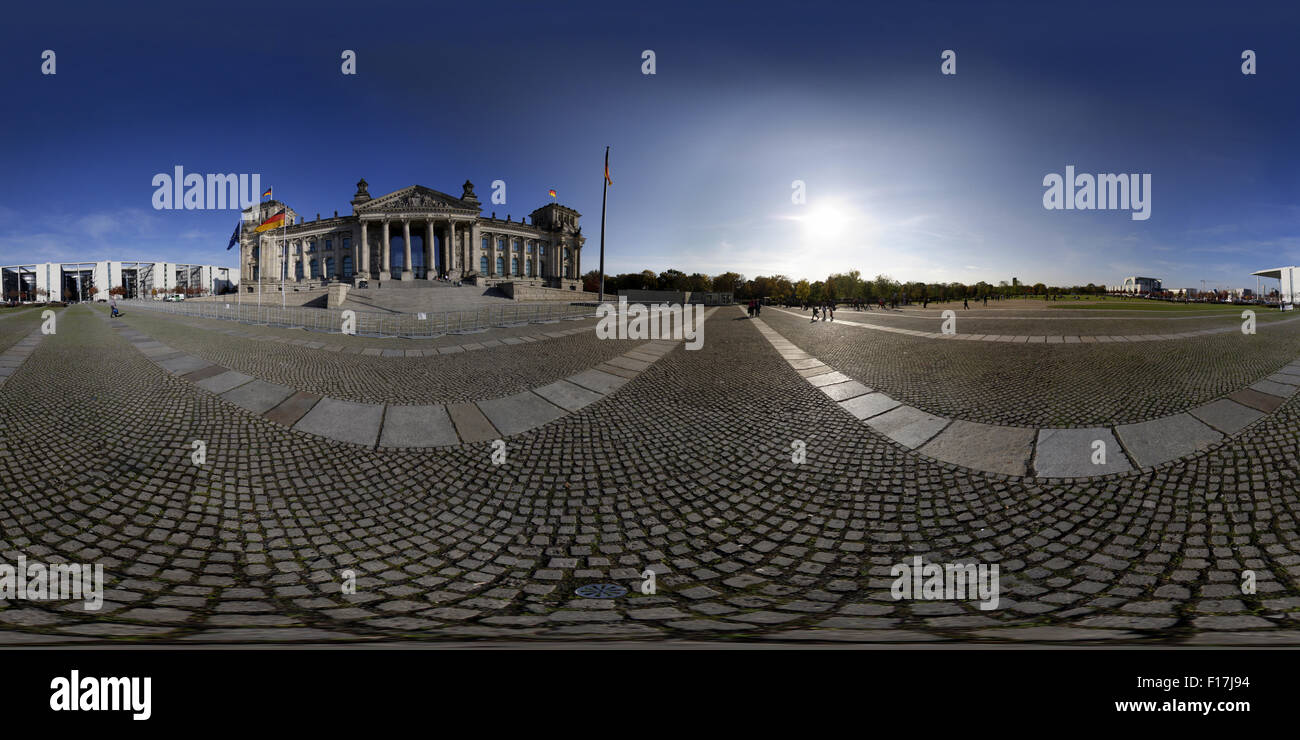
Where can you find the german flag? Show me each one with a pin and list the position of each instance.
(267, 194)
(273, 222)
(607, 180)
(551, 192)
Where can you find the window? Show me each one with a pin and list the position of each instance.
(482, 264)
(515, 244)
(528, 268)
(485, 244)
(514, 265)
(329, 245)
(501, 266)
(315, 269)
(297, 270)
(542, 249)
(347, 243)
(347, 262)
(501, 243)
(329, 265)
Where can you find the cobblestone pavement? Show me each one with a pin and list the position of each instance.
(687, 471)
(491, 371)
(1046, 385)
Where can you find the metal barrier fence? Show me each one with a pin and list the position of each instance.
(368, 323)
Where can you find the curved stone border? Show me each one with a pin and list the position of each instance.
(1044, 339)
(1043, 453)
(384, 425)
(13, 357)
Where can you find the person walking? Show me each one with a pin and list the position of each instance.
(814, 314)
(965, 303)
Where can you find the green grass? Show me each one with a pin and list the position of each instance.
(1138, 304)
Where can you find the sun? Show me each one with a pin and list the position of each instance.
(826, 221)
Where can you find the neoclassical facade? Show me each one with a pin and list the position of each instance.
(413, 234)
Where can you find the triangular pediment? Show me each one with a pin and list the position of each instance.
(415, 199)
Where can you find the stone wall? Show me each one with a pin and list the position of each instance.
(519, 292)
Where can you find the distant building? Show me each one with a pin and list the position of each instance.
(83, 281)
(1289, 290)
(1137, 284)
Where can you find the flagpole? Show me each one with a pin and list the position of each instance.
(284, 239)
(604, 195)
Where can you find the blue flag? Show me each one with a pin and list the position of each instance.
(234, 238)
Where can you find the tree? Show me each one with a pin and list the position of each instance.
(801, 291)
(728, 282)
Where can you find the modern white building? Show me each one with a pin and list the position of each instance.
(1137, 284)
(1289, 277)
(72, 281)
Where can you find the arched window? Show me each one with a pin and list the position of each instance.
(514, 265)
(347, 265)
(297, 270)
(528, 268)
(329, 267)
(501, 266)
(482, 264)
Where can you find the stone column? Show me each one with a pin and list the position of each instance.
(407, 272)
(361, 263)
(429, 263)
(475, 247)
(385, 260)
(452, 251)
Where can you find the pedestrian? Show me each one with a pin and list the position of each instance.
(814, 314)
(965, 303)
(112, 302)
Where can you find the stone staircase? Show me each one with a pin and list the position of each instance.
(432, 297)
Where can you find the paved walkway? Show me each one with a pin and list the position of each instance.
(14, 356)
(1045, 453)
(1038, 339)
(387, 425)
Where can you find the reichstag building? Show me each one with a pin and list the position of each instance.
(413, 234)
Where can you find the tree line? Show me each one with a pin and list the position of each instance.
(839, 286)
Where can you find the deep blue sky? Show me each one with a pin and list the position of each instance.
(908, 172)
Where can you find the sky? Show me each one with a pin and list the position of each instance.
(906, 171)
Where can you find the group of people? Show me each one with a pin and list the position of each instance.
(755, 308)
(826, 310)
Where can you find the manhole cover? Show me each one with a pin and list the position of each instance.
(601, 591)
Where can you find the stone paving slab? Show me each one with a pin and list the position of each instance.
(828, 378)
(1280, 390)
(259, 396)
(1068, 453)
(223, 382)
(417, 426)
(345, 421)
(204, 373)
(568, 396)
(598, 381)
(292, 409)
(1227, 415)
(1265, 402)
(1161, 440)
(471, 424)
(908, 426)
(844, 391)
(520, 412)
(865, 407)
(987, 447)
(183, 364)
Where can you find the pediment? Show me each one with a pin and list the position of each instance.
(415, 199)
